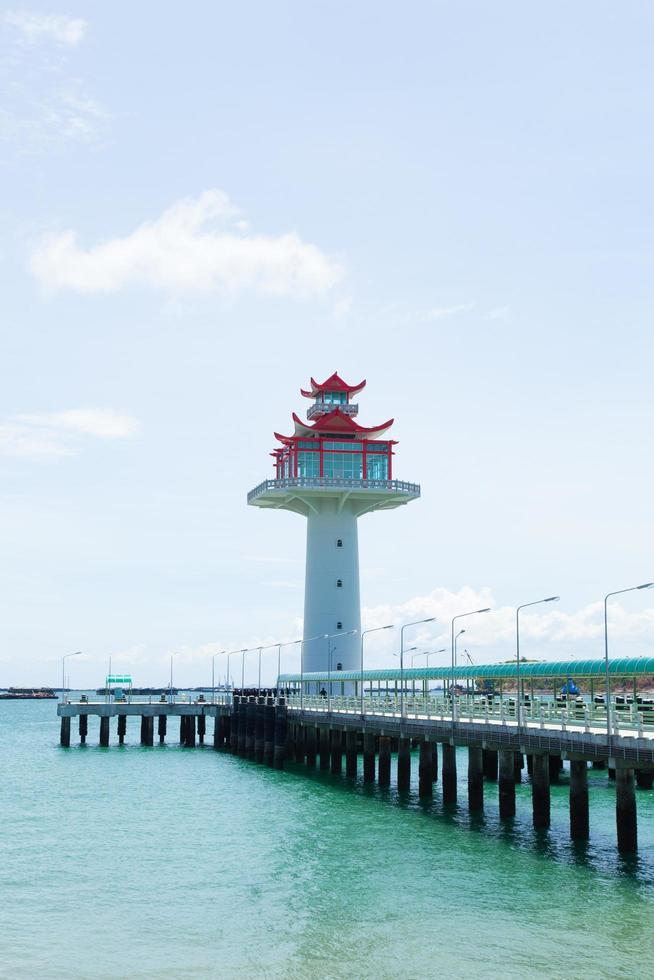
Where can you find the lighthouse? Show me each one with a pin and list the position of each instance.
(332, 471)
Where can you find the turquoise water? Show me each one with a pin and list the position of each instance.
(175, 863)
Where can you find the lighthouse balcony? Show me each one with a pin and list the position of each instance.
(397, 489)
(320, 408)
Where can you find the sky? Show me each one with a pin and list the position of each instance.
(203, 205)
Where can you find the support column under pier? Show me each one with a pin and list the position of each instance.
(147, 730)
(64, 734)
(384, 760)
(182, 730)
(434, 761)
(518, 765)
(250, 722)
(162, 727)
(351, 740)
(490, 764)
(368, 757)
(579, 822)
(449, 774)
(311, 745)
(299, 743)
(279, 756)
(242, 725)
(83, 728)
(475, 779)
(104, 731)
(121, 729)
(324, 747)
(337, 752)
(259, 723)
(644, 778)
(555, 767)
(404, 764)
(190, 732)
(625, 811)
(202, 728)
(506, 784)
(269, 733)
(218, 731)
(540, 790)
(425, 782)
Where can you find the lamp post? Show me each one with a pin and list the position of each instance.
(418, 622)
(288, 643)
(525, 605)
(63, 673)
(473, 612)
(243, 652)
(375, 629)
(634, 588)
(213, 674)
(308, 639)
(232, 653)
(329, 637)
(170, 690)
(427, 654)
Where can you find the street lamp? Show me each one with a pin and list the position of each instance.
(473, 612)
(288, 643)
(170, 690)
(213, 674)
(302, 642)
(63, 675)
(243, 652)
(375, 629)
(231, 654)
(525, 605)
(427, 654)
(634, 588)
(329, 637)
(418, 622)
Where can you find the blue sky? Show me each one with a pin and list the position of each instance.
(203, 206)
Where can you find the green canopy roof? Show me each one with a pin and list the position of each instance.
(622, 667)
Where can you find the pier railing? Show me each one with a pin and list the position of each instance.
(338, 483)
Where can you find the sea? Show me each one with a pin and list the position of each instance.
(175, 863)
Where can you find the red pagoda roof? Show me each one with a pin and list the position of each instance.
(333, 383)
(334, 423)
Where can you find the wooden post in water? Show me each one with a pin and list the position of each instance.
(269, 732)
(404, 764)
(625, 811)
(337, 751)
(64, 734)
(384, 760)
(506, 784)
(324, 748)
(83, 728)
(368, 757)
(121, 728)
(579, 822)
(475, 779)
(425, 782)
(540, 790)
(449, 774)
(280, 735)
(351, 754)
(104, 731)
(162, 728)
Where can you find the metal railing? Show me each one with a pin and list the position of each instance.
(539, 713)
(328, 483)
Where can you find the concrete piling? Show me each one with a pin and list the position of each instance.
(434, 761)
(300, 749)
(149, 730)
(311, 745)
(218, 731)
(368, 757)
(351, 754)
(425, 782)
(518, 766)
(83, 728)
(64, 734)
(202, 728)
(242, 725)
(506, 784)
(279, 755)
(404, 764)
(269, 732)
(190, 732)
(259, 723)
(250, 724)
(384, 760)
(644, 778)
(625, 811)
(490, 765)
(182, 730)
(540, 790)
(554, 767)
(122, 728)
(337, 752)
(449, 774)
(579, 822)
(324, 748)
(475, 779)
(530, 765)
(162, 725)
(104, 731)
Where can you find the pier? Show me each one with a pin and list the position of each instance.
(312, 720)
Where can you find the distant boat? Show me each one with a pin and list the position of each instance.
(27, 694)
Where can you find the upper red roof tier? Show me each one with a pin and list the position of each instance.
(334, 423)
(333, 383)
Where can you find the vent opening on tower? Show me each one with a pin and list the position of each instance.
(339, 542)
(339, 626)
(339, 583)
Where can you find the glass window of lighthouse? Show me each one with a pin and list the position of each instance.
(308, 464)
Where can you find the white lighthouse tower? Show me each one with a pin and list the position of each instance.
(332, 471)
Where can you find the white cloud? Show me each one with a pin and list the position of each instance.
(34, 26)
(57, 434)
(441, 312)
(195, 245)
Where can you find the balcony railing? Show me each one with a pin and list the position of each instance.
(322, 408)
(334, 483)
